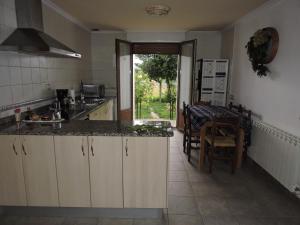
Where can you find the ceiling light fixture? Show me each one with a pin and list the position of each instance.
(157, 10)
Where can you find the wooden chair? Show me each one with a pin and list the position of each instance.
(193, 136)
(235, 108)
(220, 147)
(246, 124)
(185, 127)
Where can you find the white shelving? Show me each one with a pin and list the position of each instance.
(213, 74)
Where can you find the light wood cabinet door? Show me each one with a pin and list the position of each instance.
(12, 185)
(72, 161)
(145, 162)
(106, 171)
(39, 170)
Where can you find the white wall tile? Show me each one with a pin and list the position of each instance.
(27, 92)
(35, 62)
(25, 61)
(4, 76)
(14, 60)
(15, 75)
(5, 95)
(17, 93)
(43, 62)
(44, 75)
(3, 58)
(36, 76)
(26, 75)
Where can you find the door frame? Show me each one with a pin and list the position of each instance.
(117, 44)
(150, 51)
(194, 42)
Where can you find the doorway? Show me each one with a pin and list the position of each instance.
(128, 52)
(155, 87)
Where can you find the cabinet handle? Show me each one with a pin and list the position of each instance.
(126, 147)
(92, 149)
(14, 148)
(82, 149)
(23, 149)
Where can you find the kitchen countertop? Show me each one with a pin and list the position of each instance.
(79, 110)
(96, 128)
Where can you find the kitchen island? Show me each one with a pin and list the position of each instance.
(100, 164)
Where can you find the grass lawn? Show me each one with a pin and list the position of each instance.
(161, 109)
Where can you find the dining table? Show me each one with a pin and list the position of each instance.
(201, 120)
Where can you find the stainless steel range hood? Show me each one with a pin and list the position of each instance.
(29, 37)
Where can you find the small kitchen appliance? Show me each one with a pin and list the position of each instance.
(62, 96)
(72, 96)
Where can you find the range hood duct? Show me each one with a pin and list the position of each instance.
(29, 37)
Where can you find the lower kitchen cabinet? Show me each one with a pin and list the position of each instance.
(72, 162)
(145, 162)
(39, 170)
(106, 171)
(12, 185)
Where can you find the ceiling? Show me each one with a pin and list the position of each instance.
(184, 15)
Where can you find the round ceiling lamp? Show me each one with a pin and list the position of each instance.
(157, 10)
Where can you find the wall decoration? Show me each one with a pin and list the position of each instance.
(262, 48)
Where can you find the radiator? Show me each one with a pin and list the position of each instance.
(278, 152)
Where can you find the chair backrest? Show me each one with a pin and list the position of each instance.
(235, 108)
(228, 123)
(246, 124)
(188, 119)
(184, 113)
(202, 103)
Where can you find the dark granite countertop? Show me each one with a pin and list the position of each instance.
(95, 128)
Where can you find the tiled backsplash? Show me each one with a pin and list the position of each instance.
(23, 77)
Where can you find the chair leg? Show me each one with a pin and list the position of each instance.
(189, 148)
(233, 166)
(234, 161)
(184, 142)
(210, 159)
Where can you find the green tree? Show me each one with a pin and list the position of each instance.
(143, 90)
(159, 68)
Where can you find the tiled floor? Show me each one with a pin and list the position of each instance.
(249, 197)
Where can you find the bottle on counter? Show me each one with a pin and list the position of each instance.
(18, 117)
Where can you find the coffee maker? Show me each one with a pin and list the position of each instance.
(62, 97)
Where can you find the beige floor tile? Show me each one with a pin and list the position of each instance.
(116, 222)
(177, 176)
(179, 188)
(185, 220)
(182, 205)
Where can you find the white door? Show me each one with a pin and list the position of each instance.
(145, 162)
(106, 171)
(124, 79)
(39, 170)
(72, 162)
(12, 185)
(186, 74)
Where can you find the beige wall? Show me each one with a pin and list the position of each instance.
(208, 43)
(104, 59)
(227, 43)
(227, 53)
(274, 98)
(24, 77)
